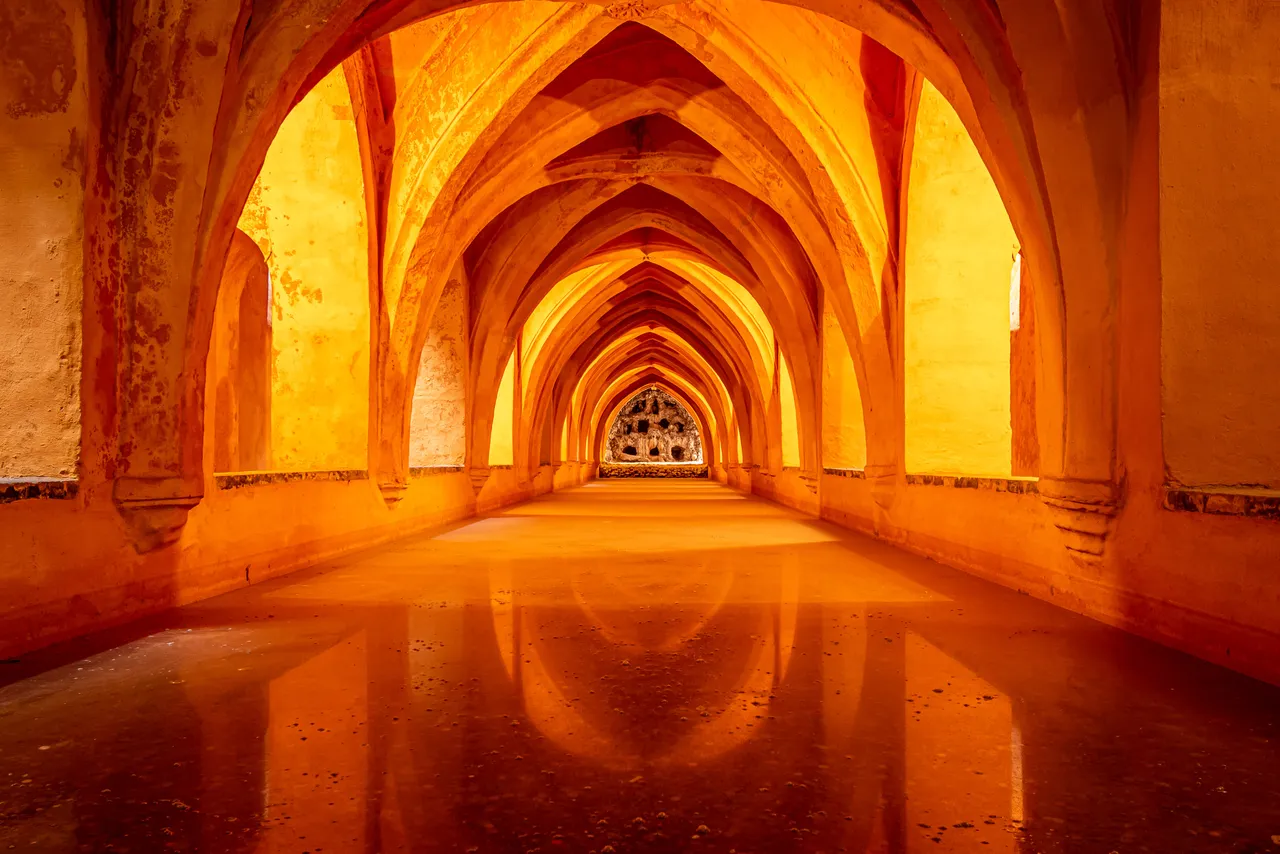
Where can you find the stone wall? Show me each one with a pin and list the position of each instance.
(673, 471)
(653, 427)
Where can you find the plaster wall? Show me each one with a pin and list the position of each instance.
(1195, 582)
(790, 417)
(44, 122)
(844, 434)
(1219, 123)
(787, 487)
(238, 382)
(59, 587)
(307, 215)
(1199, 581)
(438, 430)
(1023, 359)
(502, 439)
(506, 485)
(959, 250)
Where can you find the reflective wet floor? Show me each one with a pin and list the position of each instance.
(633, 667)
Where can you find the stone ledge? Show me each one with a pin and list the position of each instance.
(1249, 503)
(25, 488)
(239, 480)
(428, 471)
(856, 474)
(1019, 486)
(659, 470)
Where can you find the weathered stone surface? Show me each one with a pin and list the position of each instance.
(22, 488)
(257, 478)
(1021, 486)
(653, 470)
(1262, 504)
(438, 433)
(653, 427)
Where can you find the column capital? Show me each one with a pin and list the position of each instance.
(393, 489)
(883, 478)
(479, 476)
(155, 509)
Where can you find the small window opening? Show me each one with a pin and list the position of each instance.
(677, 453)
(653, 452)
(629, 450)
(642, 426)
(664, 424)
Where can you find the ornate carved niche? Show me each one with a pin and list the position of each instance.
(653, 427)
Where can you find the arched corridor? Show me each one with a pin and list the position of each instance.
(692, 324)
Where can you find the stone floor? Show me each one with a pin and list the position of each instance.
(633, 667)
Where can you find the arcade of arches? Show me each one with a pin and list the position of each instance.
(989, 281)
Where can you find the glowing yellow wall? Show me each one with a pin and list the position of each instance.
(501, 441)
(959, 251)
(790, 422)
(844, 432)
(438, 430)
(307, 214)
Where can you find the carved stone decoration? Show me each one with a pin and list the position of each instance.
(653, 427)
(629, 10)
(393, 491)
(479, 476)
(155, 509)
(884, 484)
(1084, 511)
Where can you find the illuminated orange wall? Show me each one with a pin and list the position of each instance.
(307, 213)
(790, 438)
(502, 440)
(1219, 124)
(240, 363)
(844, 435)
(959, 250)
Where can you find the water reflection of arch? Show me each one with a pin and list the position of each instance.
(653, 656)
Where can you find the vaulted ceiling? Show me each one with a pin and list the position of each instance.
(626, 213)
